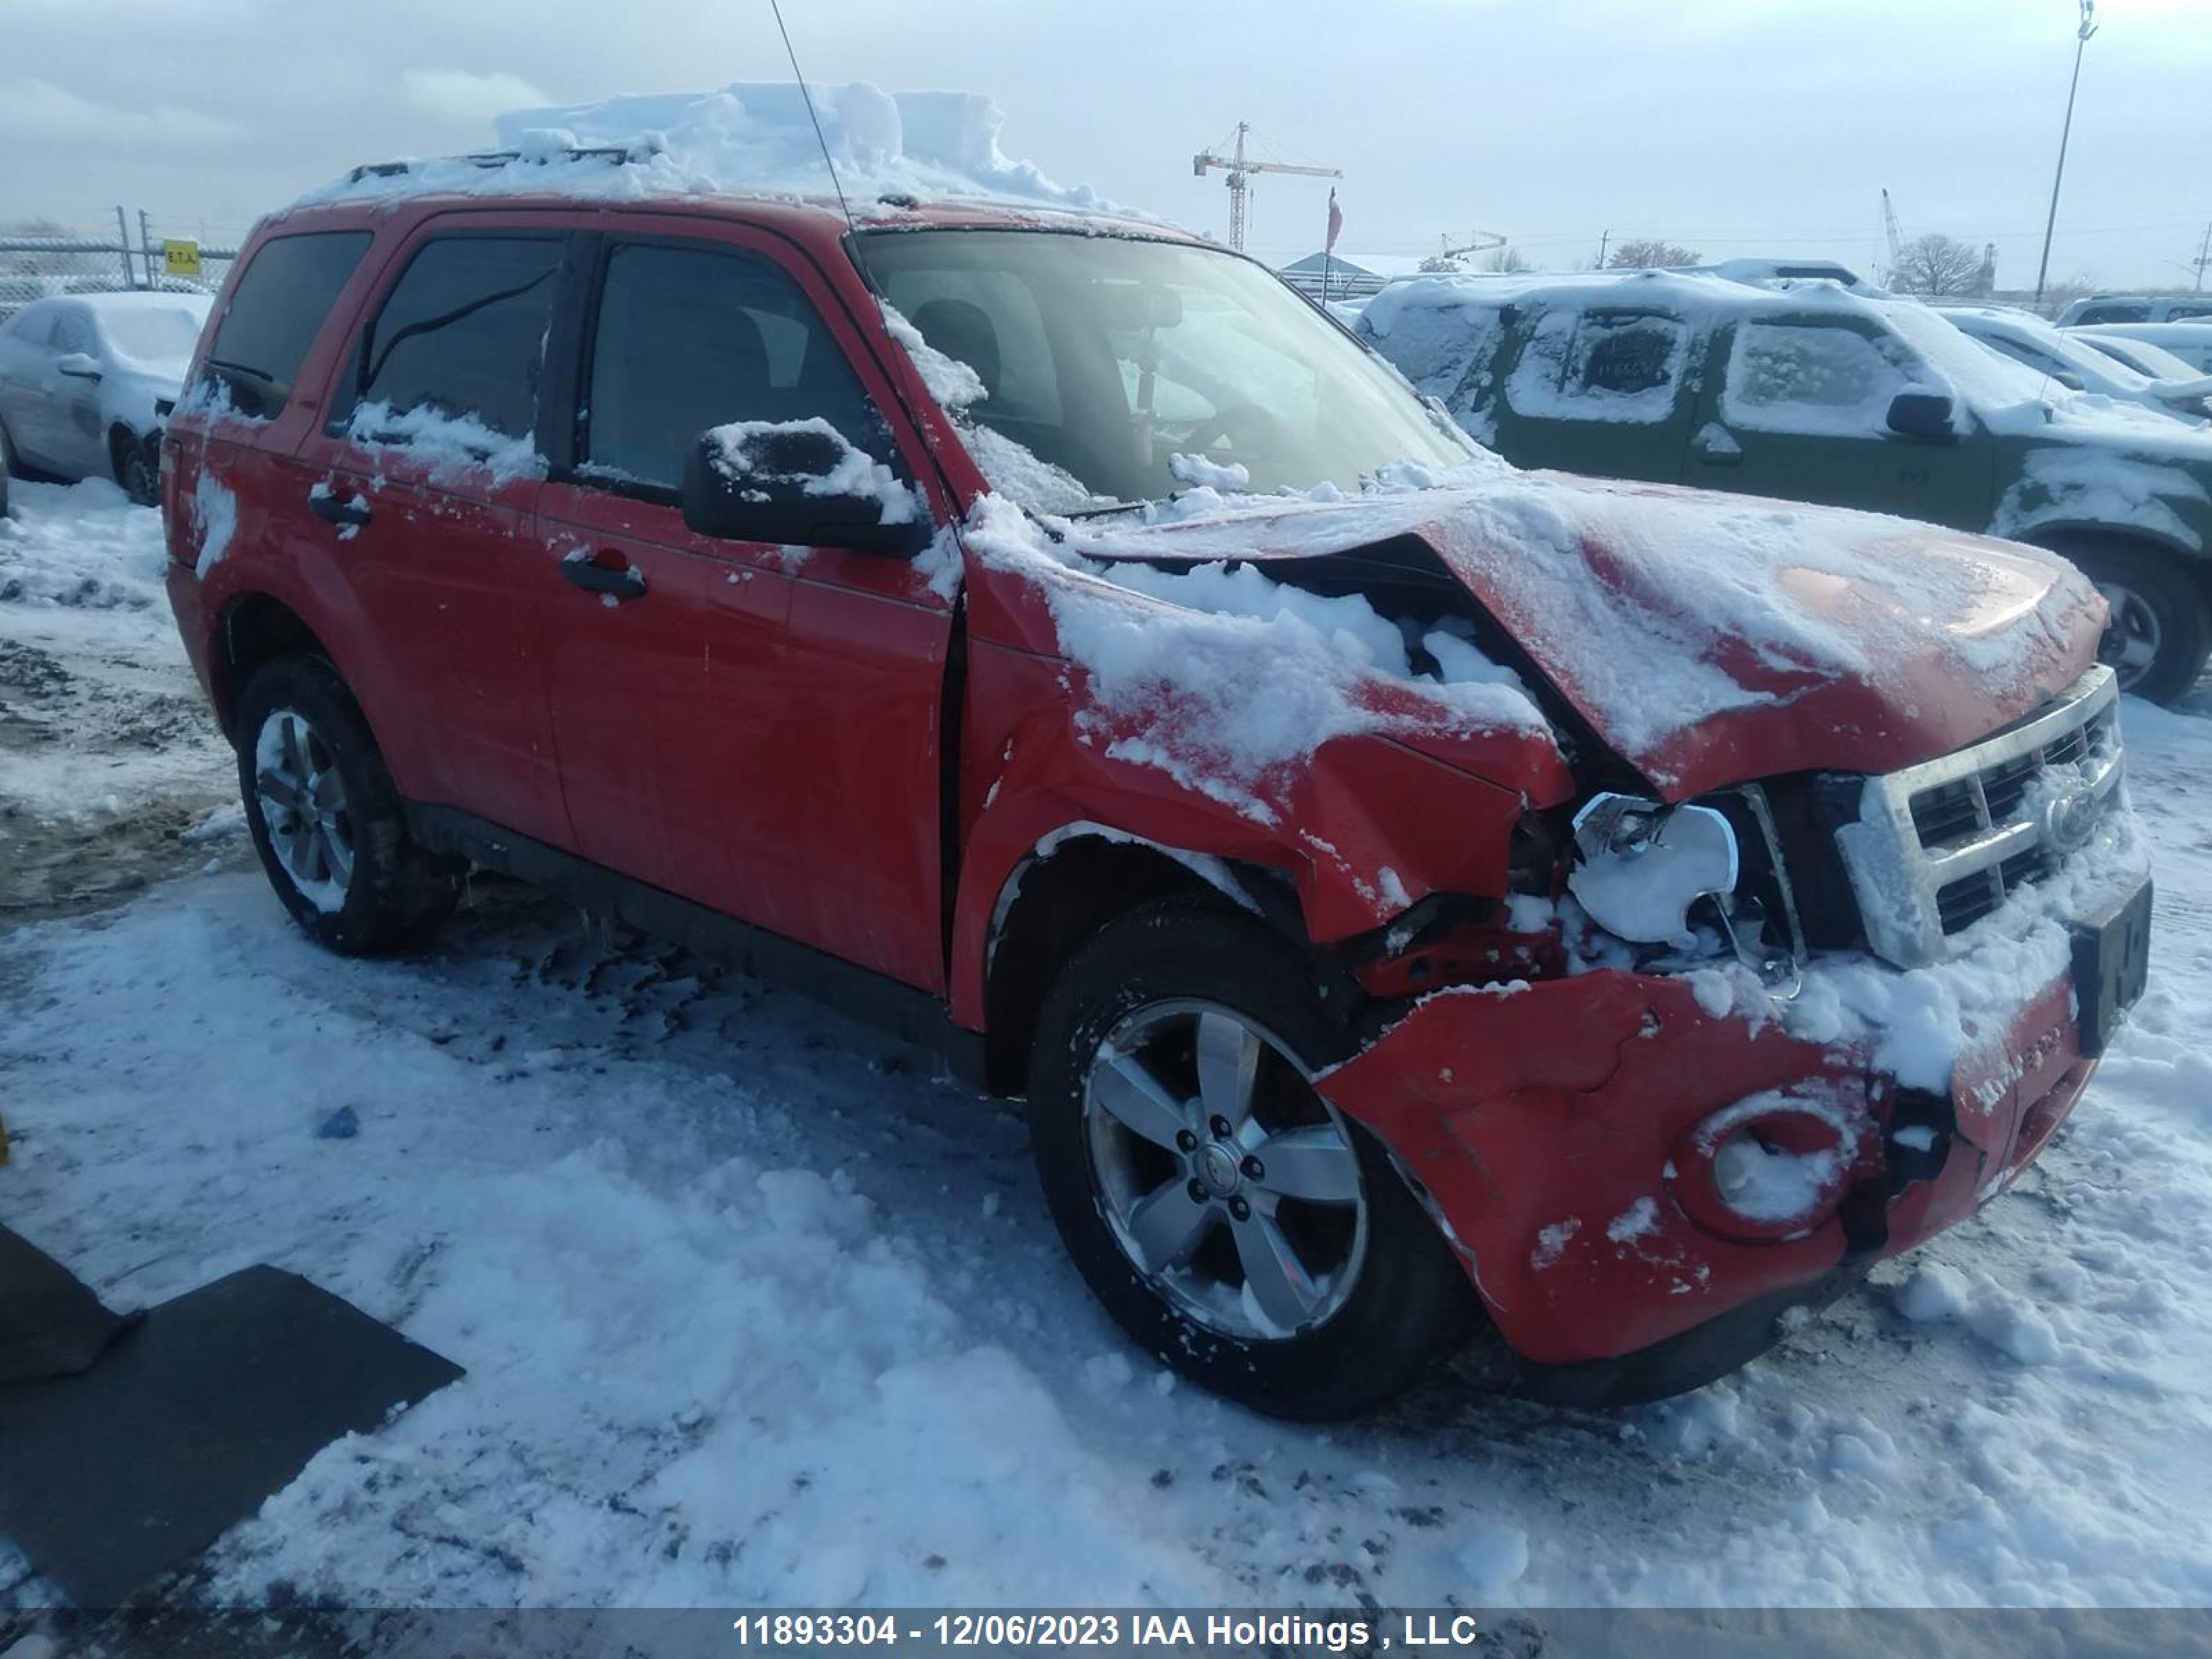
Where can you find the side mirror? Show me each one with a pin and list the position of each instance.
(2070, 380)
(798, 483)
(1926, 416)
(79, 366)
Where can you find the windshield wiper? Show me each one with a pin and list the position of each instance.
(229, 367)
(1102, 512)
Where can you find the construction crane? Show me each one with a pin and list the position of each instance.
(1896, 236)
(1447, 256)
(1240, 168)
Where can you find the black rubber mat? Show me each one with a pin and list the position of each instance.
(188, 1421)
(51, 1325)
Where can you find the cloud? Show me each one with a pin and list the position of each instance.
(45, 114)
(462, 96)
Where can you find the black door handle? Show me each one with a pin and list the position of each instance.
(619, 583)
(334, 509)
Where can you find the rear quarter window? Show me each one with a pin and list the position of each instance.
(280, 305)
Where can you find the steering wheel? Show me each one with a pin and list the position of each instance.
(1249, 429)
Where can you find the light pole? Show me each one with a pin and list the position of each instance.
(2080, 41)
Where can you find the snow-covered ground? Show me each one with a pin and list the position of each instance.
(756, 1308)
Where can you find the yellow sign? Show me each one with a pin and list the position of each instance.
(181, 259)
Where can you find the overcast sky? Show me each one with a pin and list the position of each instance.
(1735, 126)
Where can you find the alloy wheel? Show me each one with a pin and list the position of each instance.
(303, 803)
(1232, 1188)
(2132, 635)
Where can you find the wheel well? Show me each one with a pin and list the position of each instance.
(2068, 542)
(1061, 900)
(256, 630)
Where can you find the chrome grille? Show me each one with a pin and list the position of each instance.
(1937, 847)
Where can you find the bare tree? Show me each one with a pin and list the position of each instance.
(1505, 259)
(1649, 253)
(1937, 264)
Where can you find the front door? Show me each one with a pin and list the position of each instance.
(1798, 407)
(425, 479)
(751, 727)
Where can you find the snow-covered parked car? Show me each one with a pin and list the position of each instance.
(1422, 902)
(1815, 393)
(2078, 365)
(86, 382)
(2191, 341)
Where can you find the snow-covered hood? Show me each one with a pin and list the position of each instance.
(1707, 639)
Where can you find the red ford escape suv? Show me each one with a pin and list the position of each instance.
(1425, 904)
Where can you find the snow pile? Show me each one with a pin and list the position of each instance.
(1224, 678)
(449, 446)
(741, 450)
(751, 138)
(80, 547)
(2070, 486)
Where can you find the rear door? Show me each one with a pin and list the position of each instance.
(1798, 406)
(754, 727)
(424, 480)
(1601, 391)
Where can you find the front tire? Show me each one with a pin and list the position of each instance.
(326, 817)
(2161, 629)
(1229, 1219)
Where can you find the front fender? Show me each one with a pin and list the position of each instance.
(1364, 829)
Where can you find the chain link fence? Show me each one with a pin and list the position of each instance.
(40, 258)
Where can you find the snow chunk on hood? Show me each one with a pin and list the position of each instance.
(752, 138)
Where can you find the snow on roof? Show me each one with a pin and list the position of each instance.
(749, 139)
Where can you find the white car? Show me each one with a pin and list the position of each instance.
(2136, 308)
(2075, 363)
(87, 380)
(2191, 341)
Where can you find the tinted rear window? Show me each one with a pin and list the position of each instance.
(464, 331)
(277, 311)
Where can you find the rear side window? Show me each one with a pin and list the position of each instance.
(2115, 314)
(274, 316)
(1600, 366)
(693, 337)
(462, 335)
(2178, 312)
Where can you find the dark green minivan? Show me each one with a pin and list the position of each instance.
(1813, 393)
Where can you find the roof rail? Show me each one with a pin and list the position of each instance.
(488, 159)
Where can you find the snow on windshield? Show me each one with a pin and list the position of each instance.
(749, 139)
(155, 331)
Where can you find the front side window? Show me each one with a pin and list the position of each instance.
(73, 333)
(279, 306)
(1812, 378)
(2115, 314)
(461, 337)
(1097, 362)
(692, 338)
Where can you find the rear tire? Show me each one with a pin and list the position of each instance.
(1384, 1300)
(2161, 630)
(326, 817)
(138, 465)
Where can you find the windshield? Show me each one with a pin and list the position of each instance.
(1109, 370)
(1982, 378)
(153, 334)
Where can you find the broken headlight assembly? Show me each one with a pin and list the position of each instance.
(1685, 882)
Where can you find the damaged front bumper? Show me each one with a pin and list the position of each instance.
(1565, 1134)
